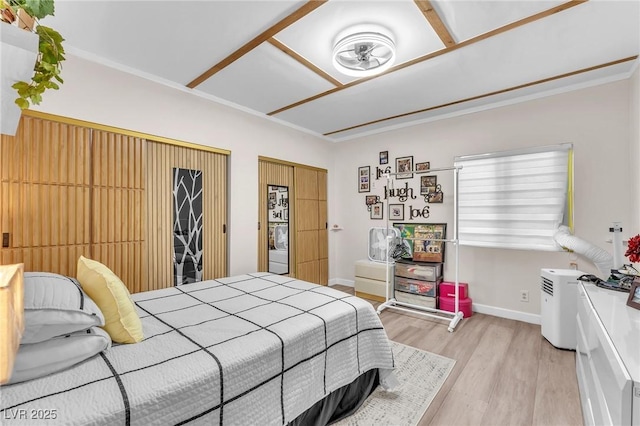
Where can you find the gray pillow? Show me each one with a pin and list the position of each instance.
(55, 305)
(59, 353)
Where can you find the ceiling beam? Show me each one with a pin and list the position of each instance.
(440, 52)
(304, 10)
(485, 95)
(436, 23)
(292, 53)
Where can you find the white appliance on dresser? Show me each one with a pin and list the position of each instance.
(608, 357)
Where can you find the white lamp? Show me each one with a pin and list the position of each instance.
(362, 54)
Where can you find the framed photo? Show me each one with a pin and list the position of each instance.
(396, 211)
(634, 294)
(404, 164)
(271, 201)
(428, 184)
(421, 167)
(370, 200)
(435, 197)
(384, 157)
(377, 211)
(364, 176)
(424, 240)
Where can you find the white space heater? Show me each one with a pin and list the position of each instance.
(558, 307)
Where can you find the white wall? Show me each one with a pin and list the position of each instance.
(103, 95)
(595, 120)
(634, 147)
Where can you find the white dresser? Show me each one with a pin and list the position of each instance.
(608, 357)
(370, 280)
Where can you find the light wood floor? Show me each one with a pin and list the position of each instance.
(506, 373)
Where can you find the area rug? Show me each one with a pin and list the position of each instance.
(421, 375)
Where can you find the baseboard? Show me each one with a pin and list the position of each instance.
(482, 309)
(342, 281)
(506, 313)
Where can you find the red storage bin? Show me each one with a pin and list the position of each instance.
(448, 289)
(449, 303)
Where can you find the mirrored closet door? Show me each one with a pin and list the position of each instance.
(275, 189)
(306, 224)
(278, 228)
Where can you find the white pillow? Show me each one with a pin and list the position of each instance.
(55, 305)
(57, 354)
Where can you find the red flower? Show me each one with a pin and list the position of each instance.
(633, 252)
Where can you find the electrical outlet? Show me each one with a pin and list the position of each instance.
(524, 295)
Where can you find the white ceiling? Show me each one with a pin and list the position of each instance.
(501, 51)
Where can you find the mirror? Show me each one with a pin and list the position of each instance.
(278, 221)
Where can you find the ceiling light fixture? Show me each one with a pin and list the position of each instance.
(363, 54)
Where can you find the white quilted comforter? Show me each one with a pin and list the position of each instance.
(251, 349)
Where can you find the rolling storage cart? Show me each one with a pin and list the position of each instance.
(417, 283)
(415, 301)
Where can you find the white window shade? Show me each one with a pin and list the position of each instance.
(514, 199)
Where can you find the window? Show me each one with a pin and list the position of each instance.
(515, 199)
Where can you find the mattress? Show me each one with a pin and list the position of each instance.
(279, 261)
(279, 256)
(250, 349)
(278, 268)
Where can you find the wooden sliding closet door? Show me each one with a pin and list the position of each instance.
(161, 160)
(68, 190)
(45, 196)
(270, 173)
(311, 221)
(118, 207)
(323, 231)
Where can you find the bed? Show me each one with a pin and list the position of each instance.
(278, 248)
(279, 261)
(251, 349)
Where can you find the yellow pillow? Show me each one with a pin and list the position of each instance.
(121, 320)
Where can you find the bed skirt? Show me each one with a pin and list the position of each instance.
(340, 403)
